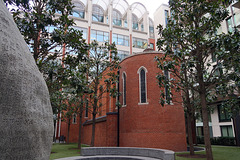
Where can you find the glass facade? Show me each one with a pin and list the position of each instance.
(78, 14)
(78, 10)
(120, 39)
(140, 43)
(134, 22)
(125, 23)
(117, 18)
(99, 36)
(122, 54)
(151, 28)
(83, 30)
(97, 14)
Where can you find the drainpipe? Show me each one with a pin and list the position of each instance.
(118, 107)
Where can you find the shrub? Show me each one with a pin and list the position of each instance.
(227, 141)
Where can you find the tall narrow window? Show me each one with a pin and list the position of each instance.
(74, 118)
(151, 28)
(142, 27)
(124, 89)
(134, 22)
(166, 17)
(142, 85)
(166, 74)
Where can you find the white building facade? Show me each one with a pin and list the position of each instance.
(115, 21)
(221, 124)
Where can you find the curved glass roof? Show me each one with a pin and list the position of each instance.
(120, 5)
(102, 3)
(83, 1)
(138, 9)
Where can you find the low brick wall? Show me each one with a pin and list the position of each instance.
(105, 131)
(129, 151)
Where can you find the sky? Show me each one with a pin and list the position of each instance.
(151, 5)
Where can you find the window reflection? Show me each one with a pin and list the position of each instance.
(97, 14)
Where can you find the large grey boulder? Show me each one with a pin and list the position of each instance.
(26, 124)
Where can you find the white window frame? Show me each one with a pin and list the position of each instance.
(139, 74)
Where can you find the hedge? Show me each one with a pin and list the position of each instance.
(227, 141)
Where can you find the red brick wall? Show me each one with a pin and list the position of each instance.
(149, 125)
(105, 132)
(73, 133)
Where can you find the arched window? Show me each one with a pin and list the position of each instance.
(124, 88)
(78, 10)
(117, 18)
(134, 22)
(142, 84)
(97, 13)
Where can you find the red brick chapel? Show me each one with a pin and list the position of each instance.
(143, 122)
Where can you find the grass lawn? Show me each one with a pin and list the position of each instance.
(219, 153)
(61, 150)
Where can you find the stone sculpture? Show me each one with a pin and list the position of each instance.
(26, 124)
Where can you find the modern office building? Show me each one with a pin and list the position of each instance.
(221, 121)
(221, 124)
(115, 21)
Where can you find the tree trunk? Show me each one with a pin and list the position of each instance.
(69, 121)
(189, 128)
(36, 51)
(189, 114)
(203, 102)
(94, 111)
(80, 124)
(93, 130)
(206, 127)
